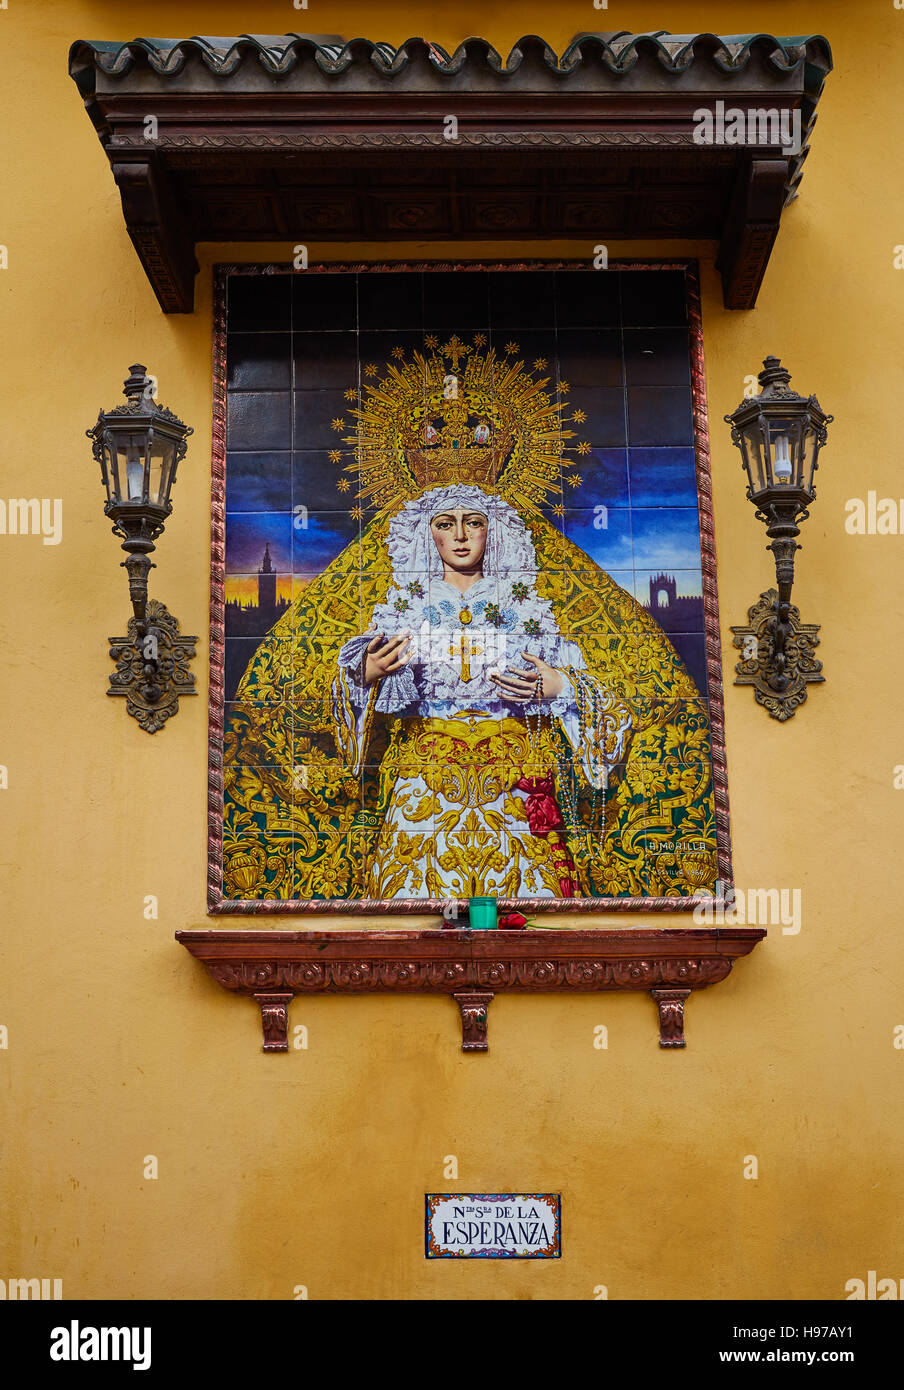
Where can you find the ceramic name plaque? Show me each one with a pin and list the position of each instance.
(494, 1225)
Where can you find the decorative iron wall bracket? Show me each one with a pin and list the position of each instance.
(803, 668)
(275, 966)
(152, 692)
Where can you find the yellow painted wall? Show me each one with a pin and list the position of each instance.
(311, 1168)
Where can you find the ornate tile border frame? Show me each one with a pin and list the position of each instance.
(216, 902)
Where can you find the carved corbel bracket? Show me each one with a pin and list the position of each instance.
(475, 1007)
(275, 1020)
(750, 229)
(158, 229)
(671, 1016)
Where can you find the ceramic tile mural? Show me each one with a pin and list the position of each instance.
(465, 649)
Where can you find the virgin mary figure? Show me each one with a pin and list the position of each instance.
(459, 658)
(463, 703)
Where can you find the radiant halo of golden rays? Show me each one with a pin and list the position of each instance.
(457, 413)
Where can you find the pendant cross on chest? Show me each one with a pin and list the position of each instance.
(465, 647)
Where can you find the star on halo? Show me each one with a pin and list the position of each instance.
(455, 349)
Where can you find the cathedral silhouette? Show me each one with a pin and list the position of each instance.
(251, 621)
(256, 619)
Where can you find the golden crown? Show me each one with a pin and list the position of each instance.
(456, 413)
(464, 449)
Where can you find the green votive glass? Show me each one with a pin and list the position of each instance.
(482, 914)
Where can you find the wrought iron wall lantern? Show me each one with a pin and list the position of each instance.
(139, 446)
(779, 435)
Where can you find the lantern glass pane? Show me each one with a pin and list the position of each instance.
(809, 459)
(109, 471)
(785, 441)
(130, 466)
(756, 456)
(161, 461)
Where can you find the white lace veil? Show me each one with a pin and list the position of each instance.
(413, 551)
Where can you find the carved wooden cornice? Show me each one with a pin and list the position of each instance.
(274, 966)
(296, 137)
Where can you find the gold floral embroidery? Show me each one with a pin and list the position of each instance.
(301, 821)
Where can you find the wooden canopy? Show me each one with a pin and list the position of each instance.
(309, 137)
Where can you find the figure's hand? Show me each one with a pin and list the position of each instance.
(384, 657)
(520, 686)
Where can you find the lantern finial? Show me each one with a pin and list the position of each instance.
(773, 372)
(133, 388)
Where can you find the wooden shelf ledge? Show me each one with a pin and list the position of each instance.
(472, 966)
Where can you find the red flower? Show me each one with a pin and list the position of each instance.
(512, 920)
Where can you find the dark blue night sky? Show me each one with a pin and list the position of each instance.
(617, 352)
